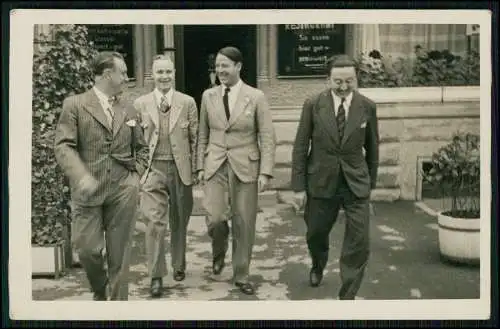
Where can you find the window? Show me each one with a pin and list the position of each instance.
(304, 48)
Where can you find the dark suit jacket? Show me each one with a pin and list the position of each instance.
(86, 145)
(319, 153)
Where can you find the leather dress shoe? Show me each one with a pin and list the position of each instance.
(101, 296)
(245, 288)
(179, 275)
(156, 287)
(217, 267)
(315, 277)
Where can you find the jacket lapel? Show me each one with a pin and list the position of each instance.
(354, 117)
(120, 115)
(95, 109)
(240, 104)
(175, 111)
(152, 108)
(218, 106)
(327, 114)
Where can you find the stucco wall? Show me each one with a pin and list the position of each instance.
(415, 123)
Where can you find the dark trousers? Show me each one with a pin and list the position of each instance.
(320, 215)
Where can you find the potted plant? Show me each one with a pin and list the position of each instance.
(59, 70)
(455, 172)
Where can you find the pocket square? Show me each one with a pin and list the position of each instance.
(363, 125)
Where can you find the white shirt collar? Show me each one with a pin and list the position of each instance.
(158, 95)
(103, 98)
(234, 89)
(347, 102)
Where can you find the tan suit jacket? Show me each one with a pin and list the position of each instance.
(247, 140)
(85, 145)
(183, 130)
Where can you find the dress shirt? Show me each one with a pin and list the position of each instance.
(338, 100)
(233, 94)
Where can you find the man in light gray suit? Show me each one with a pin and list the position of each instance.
(236, 148)
(101, 149)
(170, 122)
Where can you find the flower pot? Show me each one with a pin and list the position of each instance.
(459, 239)
(47, 260)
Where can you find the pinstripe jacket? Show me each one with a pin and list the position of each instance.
(86, 145)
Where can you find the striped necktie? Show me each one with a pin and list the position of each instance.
(164, 106)
(341, 119)
(111, 118)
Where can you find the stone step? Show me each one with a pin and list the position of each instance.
(389, 154)
(388, 177)
(378, 195)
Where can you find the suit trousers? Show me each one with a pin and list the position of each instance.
(109, 226)
(166, 201)
(228, 198)
(320, 215)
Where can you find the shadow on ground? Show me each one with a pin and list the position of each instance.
(404, 263)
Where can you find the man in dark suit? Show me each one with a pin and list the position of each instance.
(170, 122)
(334, 164)
(101, 149)
(236, 148)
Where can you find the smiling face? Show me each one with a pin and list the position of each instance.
(163, 74)
(343, 80)
(227, 70)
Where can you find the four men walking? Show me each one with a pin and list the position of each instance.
(161, 147)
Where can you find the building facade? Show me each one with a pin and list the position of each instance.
(286, 62)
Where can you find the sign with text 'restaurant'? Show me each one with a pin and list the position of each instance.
(304, 48)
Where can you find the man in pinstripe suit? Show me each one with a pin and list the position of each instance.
(101, 148)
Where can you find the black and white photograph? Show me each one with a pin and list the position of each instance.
(250, 164)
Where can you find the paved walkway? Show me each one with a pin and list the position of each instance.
(404, 263)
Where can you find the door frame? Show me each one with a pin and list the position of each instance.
(180, 64)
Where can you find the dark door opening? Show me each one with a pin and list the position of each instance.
(202, 40)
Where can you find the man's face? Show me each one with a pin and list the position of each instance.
(163, 74)
(227, 70)
(118, 76)
(343, 80)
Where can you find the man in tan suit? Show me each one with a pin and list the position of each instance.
(236, 148)
(170, 122)
(101, 149)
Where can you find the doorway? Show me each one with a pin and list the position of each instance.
(199, 41)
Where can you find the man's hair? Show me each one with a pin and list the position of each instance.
(105, 60)
(232, 53)
(161, 57)
(341, 60)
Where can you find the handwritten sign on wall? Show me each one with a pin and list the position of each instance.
(114, 37)
(304, 48)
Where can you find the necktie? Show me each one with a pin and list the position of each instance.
(225, 100)
(164, 106)
(341, 118)
(111, 102)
